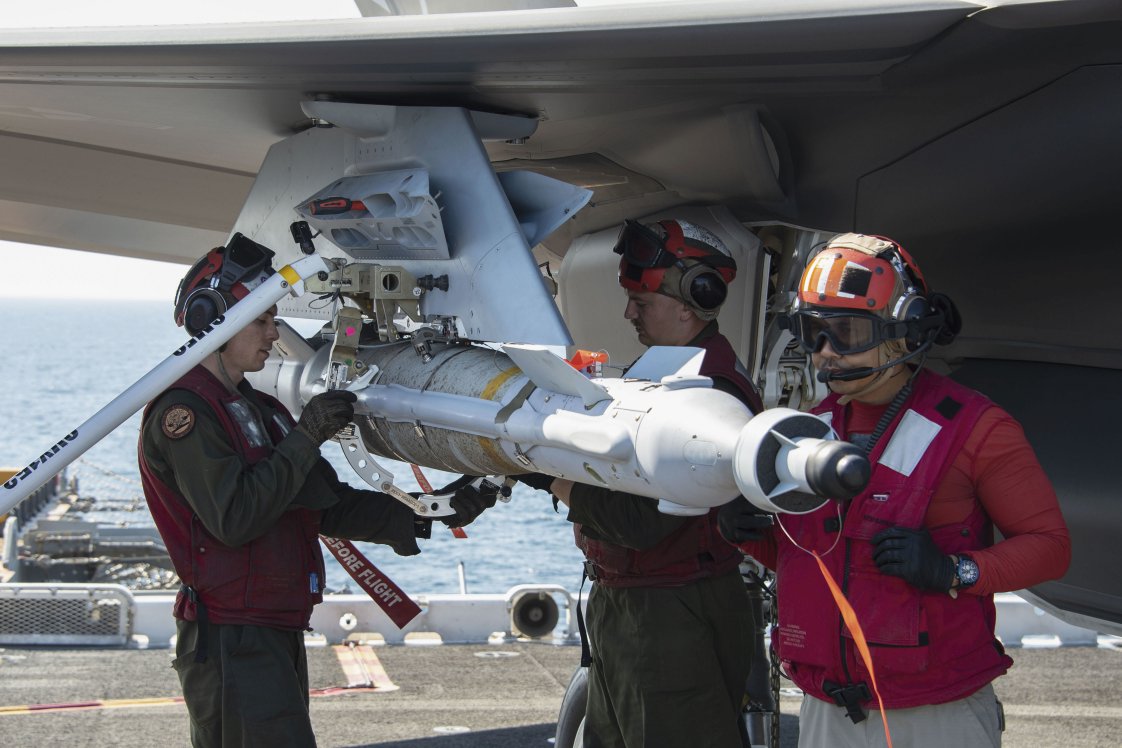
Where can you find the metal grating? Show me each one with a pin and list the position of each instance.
(68, 615)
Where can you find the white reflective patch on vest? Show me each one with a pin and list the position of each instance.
(281, 424)
(909, 443)
(249, 422)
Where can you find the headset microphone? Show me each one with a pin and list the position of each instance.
(849, 375)
(825, 377)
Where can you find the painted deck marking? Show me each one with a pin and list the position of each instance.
(360, 664)
(362, 667)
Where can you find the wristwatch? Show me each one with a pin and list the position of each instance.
(966, 572)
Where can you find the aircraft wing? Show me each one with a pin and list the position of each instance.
(154, 135)
(983, 136)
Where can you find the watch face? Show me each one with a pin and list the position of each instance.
(967, 571)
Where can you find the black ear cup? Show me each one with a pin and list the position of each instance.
(934, 319)
(203, 306)
(703, 287)
(913, 310)
(941, 304)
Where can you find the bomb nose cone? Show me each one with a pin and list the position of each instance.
(838, 470)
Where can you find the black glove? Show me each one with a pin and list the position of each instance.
(740, 521)
(326, 413)
(469, 502)
(422, 526)
(913, 556)
(540, 481)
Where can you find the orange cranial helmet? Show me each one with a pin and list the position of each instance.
(866, 273)
(861, 291)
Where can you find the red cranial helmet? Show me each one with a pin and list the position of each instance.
(220, 279)
(676, 258)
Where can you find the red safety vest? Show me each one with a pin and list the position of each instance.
(266, 582)
(695, 550)
(721, 361)
(927, 647)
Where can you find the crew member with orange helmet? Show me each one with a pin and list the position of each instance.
(915, 553)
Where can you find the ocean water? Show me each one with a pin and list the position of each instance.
(62, 361)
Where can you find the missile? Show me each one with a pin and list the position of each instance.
(288, 280)
(441, 399)
(662, 431)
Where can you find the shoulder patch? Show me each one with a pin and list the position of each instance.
(178, 421)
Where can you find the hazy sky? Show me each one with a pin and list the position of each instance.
(30, 271)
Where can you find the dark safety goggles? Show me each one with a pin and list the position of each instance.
(643, 247)
(847, 332)
(242, 260)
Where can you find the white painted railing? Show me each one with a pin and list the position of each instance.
(444, 618)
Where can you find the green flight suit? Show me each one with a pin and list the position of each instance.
(252, 689)
(669, 664)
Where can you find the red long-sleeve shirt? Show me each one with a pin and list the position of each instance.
(997, 468)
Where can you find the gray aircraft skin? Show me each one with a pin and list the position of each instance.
(984, 137)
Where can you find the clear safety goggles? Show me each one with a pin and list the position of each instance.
(846, 332)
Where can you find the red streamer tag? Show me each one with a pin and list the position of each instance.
(390, 598)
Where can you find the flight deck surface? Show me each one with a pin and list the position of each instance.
(467, 696)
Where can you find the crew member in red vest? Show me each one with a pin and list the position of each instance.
(240, 494)
(669, 620)
(915, 552)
